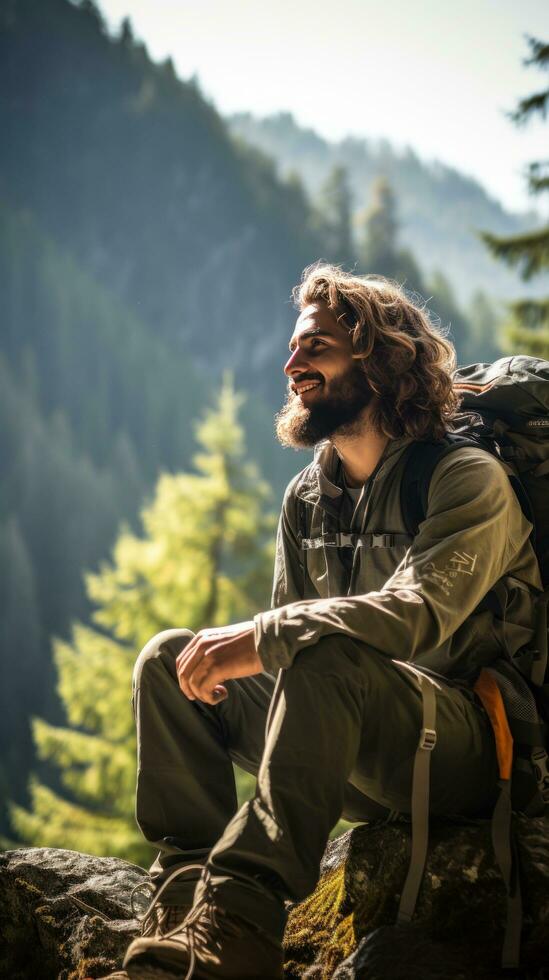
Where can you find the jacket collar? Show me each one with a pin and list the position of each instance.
(321, 481)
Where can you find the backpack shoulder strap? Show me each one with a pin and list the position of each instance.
(421, 461)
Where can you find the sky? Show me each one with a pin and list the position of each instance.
(435, 75)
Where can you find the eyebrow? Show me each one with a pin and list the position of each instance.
(313, 332)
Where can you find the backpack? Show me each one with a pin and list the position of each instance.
(505, 411)
(508, 415)
(506, 406)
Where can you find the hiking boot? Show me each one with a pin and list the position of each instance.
(162, 919)
(211, 943)
(156, 921)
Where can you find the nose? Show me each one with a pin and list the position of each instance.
(295, 363)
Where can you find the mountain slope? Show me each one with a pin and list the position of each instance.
(135, 173)
(439, 208)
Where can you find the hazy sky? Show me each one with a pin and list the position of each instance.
(433, 74)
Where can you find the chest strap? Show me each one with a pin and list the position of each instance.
(346, 539)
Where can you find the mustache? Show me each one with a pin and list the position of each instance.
(306, 376)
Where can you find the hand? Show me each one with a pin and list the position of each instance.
(214, 656)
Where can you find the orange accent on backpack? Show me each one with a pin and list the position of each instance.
(489, 693)
(475, 389)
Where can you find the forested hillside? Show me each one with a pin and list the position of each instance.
(84, 433)
(440, 209)
(143, 250)
(140, 254)
(135, 173)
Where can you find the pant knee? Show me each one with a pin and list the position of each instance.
(163, 647)
(343, 656)
(331, 654)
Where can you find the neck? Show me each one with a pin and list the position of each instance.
(360, 452)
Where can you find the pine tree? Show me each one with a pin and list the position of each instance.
(204, 559)
(527, 328)
(380, 230)
(381, 254)
(335, 210)
(444, 306)
(20, 655)
(485, 319)
(379, 249)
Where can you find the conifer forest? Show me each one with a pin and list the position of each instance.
(148, 249)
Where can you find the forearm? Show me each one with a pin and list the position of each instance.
(397, 624)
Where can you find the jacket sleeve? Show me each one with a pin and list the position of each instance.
(473, 531)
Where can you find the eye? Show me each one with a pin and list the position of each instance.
(316, 342)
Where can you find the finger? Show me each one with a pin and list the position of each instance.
(186, 652)
(190, 659)
(187, 667)
(201, 679)
(206, 679)
(219, 694)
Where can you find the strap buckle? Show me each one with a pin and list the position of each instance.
(345, 540)
(380, 540)
(427, 739)
(338, 539)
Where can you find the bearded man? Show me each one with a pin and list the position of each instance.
(329, 696)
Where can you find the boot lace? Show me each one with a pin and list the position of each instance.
(201, 932)
(154, 917)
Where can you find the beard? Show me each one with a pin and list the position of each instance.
(335, 411)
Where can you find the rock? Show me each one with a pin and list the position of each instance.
(64, 915)
(67, 916)
(346, 929)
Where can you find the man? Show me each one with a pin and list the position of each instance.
(364, 620)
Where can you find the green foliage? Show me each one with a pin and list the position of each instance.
(58, 514)
(380, 253)
(89, 356)
(445, 306)
(485, 319)
(380, 229)
(539, 101)
(125, 254)
(204, 559)
(78, 395)
(379, 250)
(94, 756)
(527, 326)
(20, 636)
(529, 253)
(333, 219)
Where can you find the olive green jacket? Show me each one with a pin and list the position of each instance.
(409, 599)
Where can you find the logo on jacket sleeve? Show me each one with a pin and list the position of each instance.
(462, 562)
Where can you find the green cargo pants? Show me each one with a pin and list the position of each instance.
(335, 735)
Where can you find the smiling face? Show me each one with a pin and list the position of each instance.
(328, 390)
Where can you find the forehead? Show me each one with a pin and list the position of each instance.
(317, 319)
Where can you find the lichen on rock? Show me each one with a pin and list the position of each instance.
(458, 927)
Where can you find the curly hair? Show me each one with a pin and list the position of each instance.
(407, 362)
